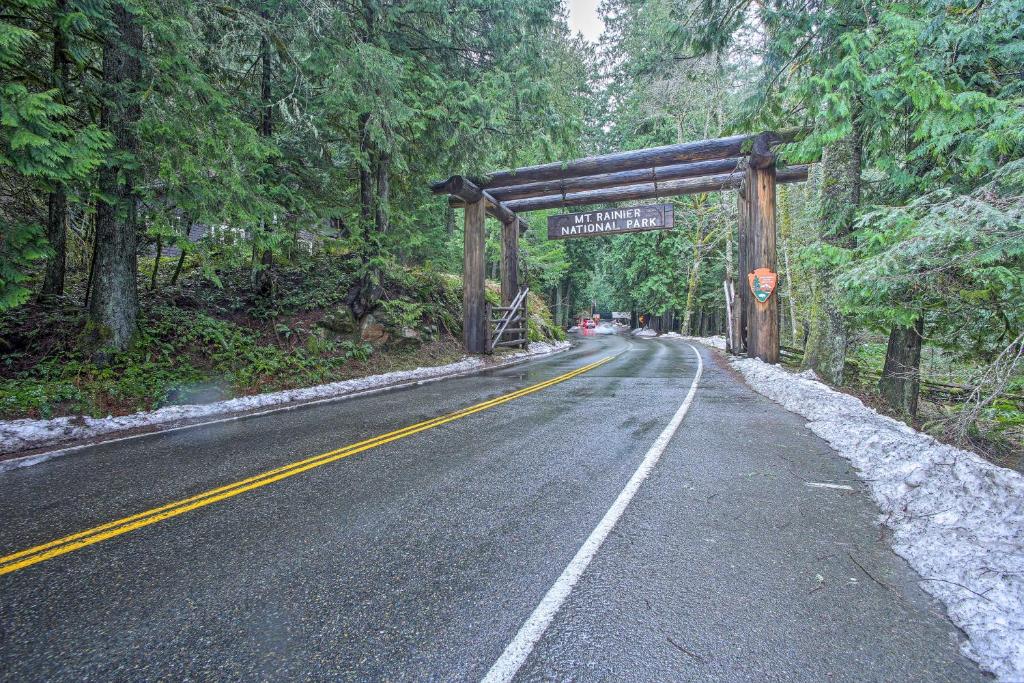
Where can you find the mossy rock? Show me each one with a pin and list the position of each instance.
(339, 321)
(405, 338)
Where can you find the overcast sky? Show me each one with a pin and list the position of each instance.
(583, 18)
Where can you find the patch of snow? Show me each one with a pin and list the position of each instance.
(717, 341)
(644, 332)
(16, 435)
(574, 328)
(605, 328)
(538, 349)
(957, 518)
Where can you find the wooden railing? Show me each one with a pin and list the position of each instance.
(509, 327)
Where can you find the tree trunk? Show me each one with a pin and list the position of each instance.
(383, 193)
(56, 235)
(56, 220)
(570, 297)
(181, 257)
(449, 220)
(156, 263)
(114, 304)
(728, 292)
(559, 313)
(840, 196)
(365, 176)
(92, 257)
(691, 290)
(262, 279)
(742, 291)
(785, 230)
(900, 384)
(177, 268)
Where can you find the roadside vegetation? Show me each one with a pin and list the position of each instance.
(198, 342)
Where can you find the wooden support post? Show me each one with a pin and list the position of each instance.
(474, 319)
(509, 261)
(762, 317)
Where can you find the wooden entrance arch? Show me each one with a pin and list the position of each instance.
(740, 162)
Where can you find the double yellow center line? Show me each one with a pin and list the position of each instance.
(61, 546)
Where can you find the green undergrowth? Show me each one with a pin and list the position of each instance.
(998, 431)
(202, 341)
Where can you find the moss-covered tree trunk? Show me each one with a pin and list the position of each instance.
(382, 221)
(262, 278)
(900, 384)
(825, 352)
(113, 304)
(785, 233)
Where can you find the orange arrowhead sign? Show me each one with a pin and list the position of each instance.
(762, 283)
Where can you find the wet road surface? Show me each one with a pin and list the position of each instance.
(421, 558)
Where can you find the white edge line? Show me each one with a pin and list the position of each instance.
(36, 458)
(508, 664)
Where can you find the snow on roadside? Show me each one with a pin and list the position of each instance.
(957, 518)
(16, 435)
(716, 341)
(644, 332)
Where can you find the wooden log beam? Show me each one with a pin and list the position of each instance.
(458, 186)
(701, 150)
(597, 182)
(464, 192)
(671, 188)
(474, 314)
(761, 152)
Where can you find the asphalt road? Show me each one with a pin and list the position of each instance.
(421, 558)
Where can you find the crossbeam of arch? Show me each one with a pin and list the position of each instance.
(745, 163)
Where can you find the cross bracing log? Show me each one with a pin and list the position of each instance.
(701, 150)
(671, 188)
(597, 182)
(465, 191)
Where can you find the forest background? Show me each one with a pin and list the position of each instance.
(201, 200)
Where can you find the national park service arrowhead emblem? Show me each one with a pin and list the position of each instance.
(762, 283)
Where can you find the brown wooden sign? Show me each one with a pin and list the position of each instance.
(611, 221)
